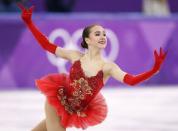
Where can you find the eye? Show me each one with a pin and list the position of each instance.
(97, 34)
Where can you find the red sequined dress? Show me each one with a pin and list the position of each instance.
(75, 97)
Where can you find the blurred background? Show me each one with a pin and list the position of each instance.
(134, 30)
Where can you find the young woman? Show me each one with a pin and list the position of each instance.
(74, 100)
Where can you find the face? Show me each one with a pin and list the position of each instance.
(97, 37)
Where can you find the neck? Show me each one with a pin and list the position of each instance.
(93, 54)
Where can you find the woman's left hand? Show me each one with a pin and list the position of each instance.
(159, 59)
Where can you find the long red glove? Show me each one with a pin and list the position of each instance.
(42, 40)
(132, 80)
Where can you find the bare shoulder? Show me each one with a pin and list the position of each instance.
(68, 54)
(113, 70)
(108, 65)
(76, 55)
(107, 68)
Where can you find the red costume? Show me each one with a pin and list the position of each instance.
(76, 97)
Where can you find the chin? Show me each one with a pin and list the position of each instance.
(102, 46)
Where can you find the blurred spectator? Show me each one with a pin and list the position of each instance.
(10, 5)
(7, 6)
(59, 5)
(156, 7)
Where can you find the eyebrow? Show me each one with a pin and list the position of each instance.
(99, 32)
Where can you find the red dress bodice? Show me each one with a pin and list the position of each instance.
(82, 89)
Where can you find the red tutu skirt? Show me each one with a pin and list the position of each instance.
(95, 112)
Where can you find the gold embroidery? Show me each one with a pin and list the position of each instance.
(82, 88)
(81, 114)
(63, 100)
(73, 104)
(74, 101)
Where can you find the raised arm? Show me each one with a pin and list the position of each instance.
(135, 79)
(42, 39)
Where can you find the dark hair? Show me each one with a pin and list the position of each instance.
(85, 34)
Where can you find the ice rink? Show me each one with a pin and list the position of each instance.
(130, 109)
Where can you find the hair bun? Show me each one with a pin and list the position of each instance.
(84, 45)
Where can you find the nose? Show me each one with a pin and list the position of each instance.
(103, 37)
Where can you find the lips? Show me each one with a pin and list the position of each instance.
(102, 42)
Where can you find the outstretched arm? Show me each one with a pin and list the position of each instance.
(42, 39)
(135, 79)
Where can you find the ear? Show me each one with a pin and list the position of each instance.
(87, 40)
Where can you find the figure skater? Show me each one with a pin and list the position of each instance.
(75, 100)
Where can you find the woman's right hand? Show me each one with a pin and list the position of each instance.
(26, 13)
(42, 40)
